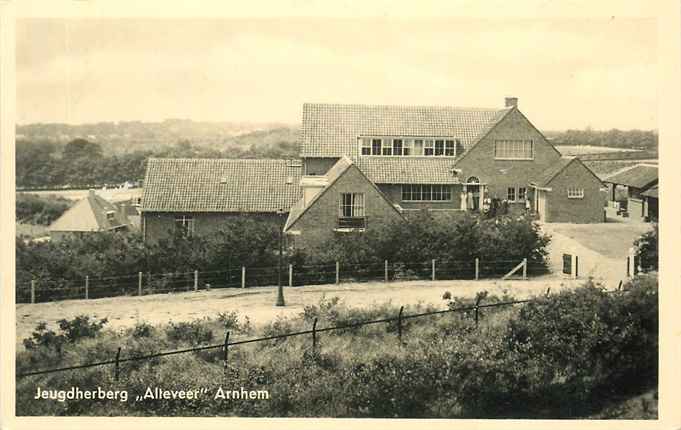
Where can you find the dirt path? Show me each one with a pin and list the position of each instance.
(258, 302)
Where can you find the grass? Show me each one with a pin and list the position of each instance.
(614, 239)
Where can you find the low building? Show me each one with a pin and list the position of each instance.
(90, 215)
(626, 188)
(650, 204)
(198, 196)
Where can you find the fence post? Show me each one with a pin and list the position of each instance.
(139, 283)
(243, 277)
(290, 275)
(33, 291)
(337, 272)
(225, 351)
(117, 370)
(477, 268)
(548, 291)
(574, 266)
(399, 323)
(524, 268)
(87, 287)
(314, 336)
(386, 271)
(477, 310)
(196, 280)
(432, 269)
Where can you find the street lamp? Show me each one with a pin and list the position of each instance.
(280, 288)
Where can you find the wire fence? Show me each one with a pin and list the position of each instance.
(314, 332)
(475, 310)
(145, 283)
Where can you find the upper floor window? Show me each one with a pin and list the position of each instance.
(513, 149)
(351, 205)
(407, 147)
(575, 193)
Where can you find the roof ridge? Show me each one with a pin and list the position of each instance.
(403, 106)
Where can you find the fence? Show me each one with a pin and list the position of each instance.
(314, 332)
(144, 283)
(475, 309)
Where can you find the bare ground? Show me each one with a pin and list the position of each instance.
(258, 302)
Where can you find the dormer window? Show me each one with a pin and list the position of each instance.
(110, 215)
(410, 147)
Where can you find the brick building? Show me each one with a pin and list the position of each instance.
(365, 165)
(198, 196)
(441, 159)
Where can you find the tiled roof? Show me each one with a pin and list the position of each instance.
(651, 192)
(90, 214)
(335, 172)
(552, 171)
(639, 176)
(220, 185)
(408, 170)
(331, 130)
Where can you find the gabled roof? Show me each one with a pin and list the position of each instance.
(331, 130)
(336, 172)
(220, 185)
(651, 192)
(551, 172)
(90, 214)
(408, 170)
(638, 176)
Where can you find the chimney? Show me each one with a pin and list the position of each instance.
(511, 102)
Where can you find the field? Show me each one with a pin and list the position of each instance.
(570, 150)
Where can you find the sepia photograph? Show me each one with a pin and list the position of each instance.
(337, 217)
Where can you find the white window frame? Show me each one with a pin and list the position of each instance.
(575, 193)
(444, 192)
(407, 147)
(508, 194)
(365, 143)
(514, 149)
(356, 206)
(447, 147)
(524, 197)
(187, 224)
(380, 146)
(401, 147)
(429, 144)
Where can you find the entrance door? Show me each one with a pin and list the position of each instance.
(473, 187)
(541, 204)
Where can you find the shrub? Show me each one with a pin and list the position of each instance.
(142, 329)
(81, 327)
(194, 333)
(33, 209)
(646, 249)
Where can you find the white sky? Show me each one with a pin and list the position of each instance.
(567, 73)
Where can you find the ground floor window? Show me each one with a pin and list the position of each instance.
(575, 193)
(426, 193)
(522, 193)
(510, 194)
(184, 224)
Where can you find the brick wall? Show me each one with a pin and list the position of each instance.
(501, 174)
(317, 224)
(560, 208)
(158, 225)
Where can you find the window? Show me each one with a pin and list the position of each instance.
(376, 147)
(510, 195)
(459, 147)
(397, 146)
(366, 146)
(351, 205)
(185, 225)
(513, 149)
(418, 147)
(434, 193)
(110, 215)
(575, 193)
(522, 193)
(439, 147)
(449, 148)
(401, 146)
(428, 147)
(408, 145)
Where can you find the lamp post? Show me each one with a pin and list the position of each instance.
(280, 288)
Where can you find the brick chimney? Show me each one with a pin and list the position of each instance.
(511, 102)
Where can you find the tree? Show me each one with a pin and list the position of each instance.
(646, 249)
(79, 148)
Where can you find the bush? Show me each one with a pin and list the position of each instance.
(33, 209)
(194, 333)
(646, 249)
(71, 331)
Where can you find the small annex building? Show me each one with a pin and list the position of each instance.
(89, 215)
